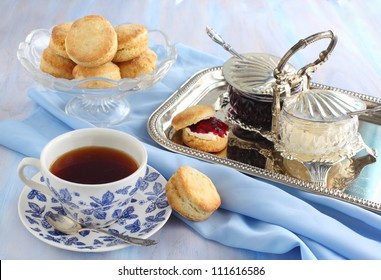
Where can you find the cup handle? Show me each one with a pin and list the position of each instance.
(26, 162)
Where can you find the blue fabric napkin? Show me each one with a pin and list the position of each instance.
(254, 215)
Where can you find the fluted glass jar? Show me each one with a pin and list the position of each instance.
(316, 125)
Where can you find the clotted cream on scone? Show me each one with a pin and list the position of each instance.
(201, 129)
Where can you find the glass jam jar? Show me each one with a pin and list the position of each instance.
(250, 88)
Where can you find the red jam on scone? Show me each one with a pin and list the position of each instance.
(201, 129)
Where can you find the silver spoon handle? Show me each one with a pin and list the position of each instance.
(366, 111)
(129, 239)
(219, 40)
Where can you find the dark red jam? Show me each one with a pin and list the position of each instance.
(213, 125)
(252, 111)
(247, 156)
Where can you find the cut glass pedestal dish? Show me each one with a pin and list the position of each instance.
(104, 106)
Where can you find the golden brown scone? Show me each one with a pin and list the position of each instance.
(223, 153)
(210, 146)
(132, 41)
(57, 38)
(108, 70)
(91, 41)
(192, 194)
(56, 65)
(143, 64)
(192, 115)
(209, 139)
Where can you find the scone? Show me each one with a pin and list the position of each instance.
(56, 65)
(91, 41)
(192, 194)
(132, 41)
(108, 70)
(57, 38)
(201, 130)
(143, 64)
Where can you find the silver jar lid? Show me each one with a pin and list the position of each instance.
(321, 105)
(253, 75)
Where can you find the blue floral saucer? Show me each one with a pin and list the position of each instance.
(148, 211)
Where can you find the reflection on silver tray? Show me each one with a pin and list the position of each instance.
(354, 180)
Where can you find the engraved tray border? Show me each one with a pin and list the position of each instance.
(167, 110)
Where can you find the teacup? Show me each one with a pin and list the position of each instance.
(92, 204)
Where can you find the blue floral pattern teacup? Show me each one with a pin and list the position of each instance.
(95, 205)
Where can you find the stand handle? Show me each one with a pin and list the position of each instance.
(311, 67)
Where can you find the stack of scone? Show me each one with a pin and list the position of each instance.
(192, 194)
(92, 47)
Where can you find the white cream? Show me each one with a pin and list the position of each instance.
(205, 136)
(324, 141)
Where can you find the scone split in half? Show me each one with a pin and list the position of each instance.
(201, 129)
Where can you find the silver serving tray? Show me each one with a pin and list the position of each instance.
(355, 180)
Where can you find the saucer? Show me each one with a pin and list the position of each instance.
(148, 211)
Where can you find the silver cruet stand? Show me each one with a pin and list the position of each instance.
(314, 108)
(284, 82)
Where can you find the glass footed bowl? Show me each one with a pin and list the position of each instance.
(101, 106)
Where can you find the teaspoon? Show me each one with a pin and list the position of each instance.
(67, 225)
(370, 111)
(219, 40)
